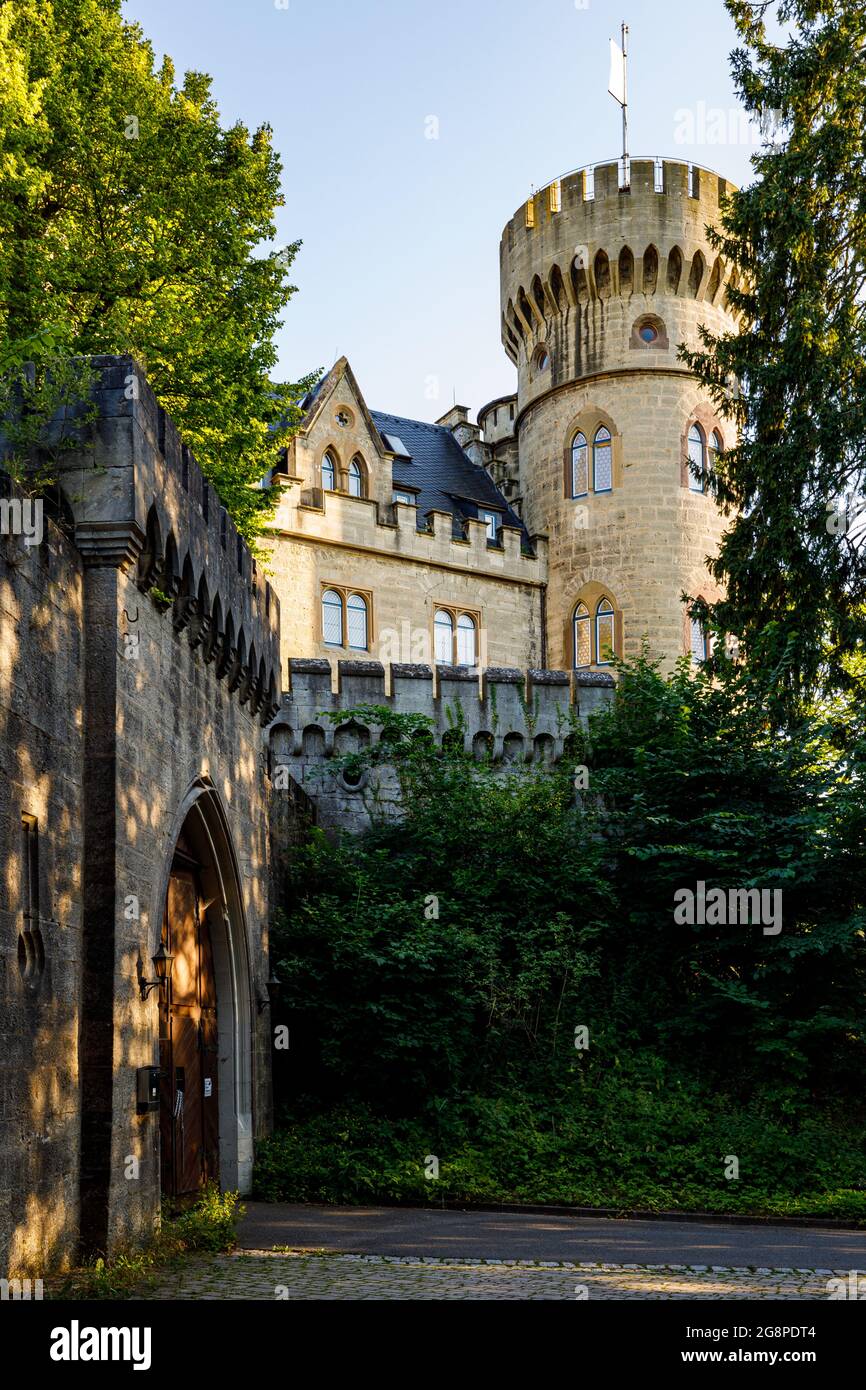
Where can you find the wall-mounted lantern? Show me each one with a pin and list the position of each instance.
(273, 985)
(162, 963)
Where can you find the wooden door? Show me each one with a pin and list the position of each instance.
(189, 1100)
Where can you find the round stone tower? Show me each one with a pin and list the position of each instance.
(599, 285)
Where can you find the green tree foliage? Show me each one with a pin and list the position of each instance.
(131, 221)
(794, 379)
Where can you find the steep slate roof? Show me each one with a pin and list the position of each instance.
(446, 479)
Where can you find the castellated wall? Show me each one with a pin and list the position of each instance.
(140, 667)
(41, 775)
(583, 270)
(512, 716)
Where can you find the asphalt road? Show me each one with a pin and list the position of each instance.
(517, 1236)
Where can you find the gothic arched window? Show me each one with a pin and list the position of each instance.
(582, 637)
(356, 479)
(579, 466)
(698, 641)
(605, 639)
(329, 473)
(602, 461)
(696, 458)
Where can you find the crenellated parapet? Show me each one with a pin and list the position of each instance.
(138, 500)
(508, 716)
(391, 531)
(590, 260)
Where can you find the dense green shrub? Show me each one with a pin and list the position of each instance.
(621, 1145)
(441, 962)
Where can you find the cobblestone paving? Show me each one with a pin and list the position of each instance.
(267, 1275)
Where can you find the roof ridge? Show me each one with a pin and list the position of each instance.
(407, 420)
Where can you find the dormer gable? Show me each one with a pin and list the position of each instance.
(338, 447)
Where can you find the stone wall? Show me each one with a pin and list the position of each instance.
(41, 776)
(182, 674)
(645, 542)
(512, 716)
(140, 666)
(407, 574)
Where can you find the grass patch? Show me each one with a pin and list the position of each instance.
(208, 1226)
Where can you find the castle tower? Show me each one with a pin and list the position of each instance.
(599, 286)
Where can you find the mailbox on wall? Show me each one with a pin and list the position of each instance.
(147, 1089)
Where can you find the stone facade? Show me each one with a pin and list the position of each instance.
(140, 664)
(327, 537)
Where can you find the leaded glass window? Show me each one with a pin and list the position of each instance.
(602, 461)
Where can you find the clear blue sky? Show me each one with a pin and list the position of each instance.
(400, 259)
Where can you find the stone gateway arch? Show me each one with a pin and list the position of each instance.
(141, 669)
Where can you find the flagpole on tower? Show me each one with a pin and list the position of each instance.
(625, 168)
(618, 88)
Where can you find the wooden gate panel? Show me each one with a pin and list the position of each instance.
(189, 1099)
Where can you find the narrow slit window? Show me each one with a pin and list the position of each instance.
(30, 870)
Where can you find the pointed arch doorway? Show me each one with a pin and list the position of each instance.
(188, 1037)
(205, 1023)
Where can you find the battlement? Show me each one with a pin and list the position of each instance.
(653, 175)
(588, 237)
(515, 716)
(391, 530)
(496, 419)
(137, 498)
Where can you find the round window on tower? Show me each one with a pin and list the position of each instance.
(649, 332)
(541, 361)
